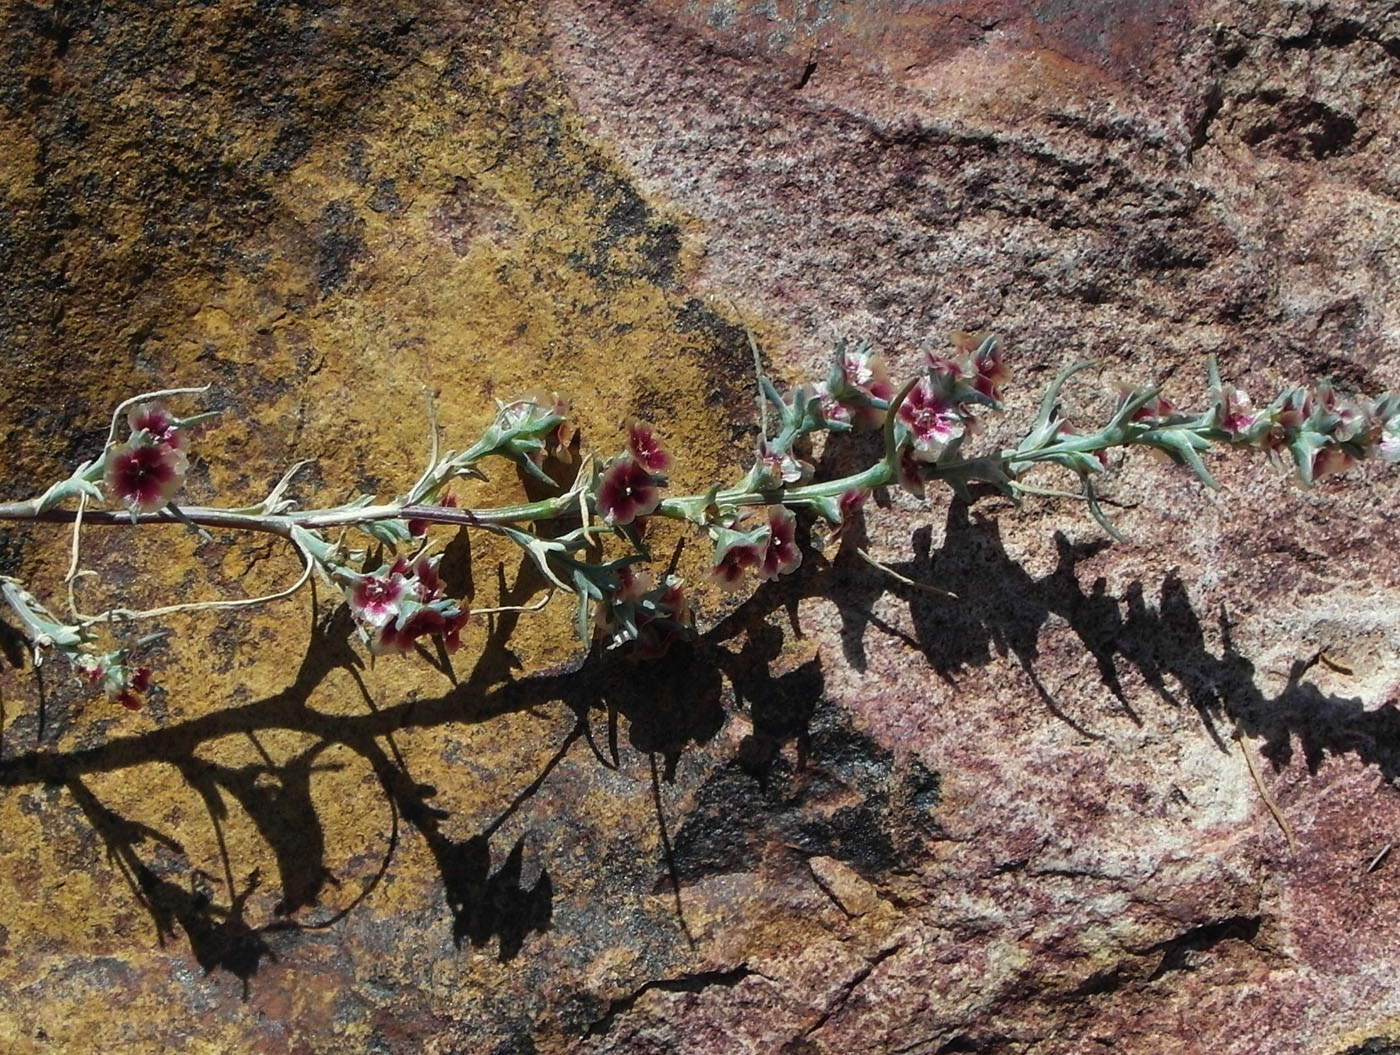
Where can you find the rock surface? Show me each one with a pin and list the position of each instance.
(855, 816)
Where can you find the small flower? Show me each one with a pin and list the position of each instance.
(1236, 414)
(374, 600)
(424, 621)
(1351, 423)
(909, 471)
(1293, 410)
(728, 570)
(736, 552)
(932, 418)
(833, 410)
(778, 470)
(120, 683)
(1329, 460)
(536, 413)
(858, 378)
(1389, 445)
(399, 603)
(91, 668)
(847, 506)
(782, 554)
(146, 475)
(159, 423)
(989, 372)
(646, 449)
(133, 695)
(626, 492)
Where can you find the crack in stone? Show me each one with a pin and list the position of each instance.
(844, 996)
(686, 983)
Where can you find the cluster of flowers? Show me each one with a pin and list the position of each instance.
(770, 549)
(753, 524)
(629, 489)
(934, 415)
(147, 471)
(648, 615)
(402, 602)
(119, 681)
(938, 413)
(1324, 432)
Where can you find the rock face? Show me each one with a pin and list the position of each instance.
(1044, 811)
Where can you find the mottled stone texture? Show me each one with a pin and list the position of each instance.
(856, 815)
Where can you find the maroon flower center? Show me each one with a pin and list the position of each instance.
(142, 476)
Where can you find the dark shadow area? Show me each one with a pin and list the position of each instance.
(804, 778)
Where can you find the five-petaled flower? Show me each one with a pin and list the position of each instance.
(374, 599)
(856, 389)
(847, 506)
(158, 423)
(782, 554)
(146, 475)
(646, 449)
(399, 603)
(735, 553)
(627, 491)
(931, 416)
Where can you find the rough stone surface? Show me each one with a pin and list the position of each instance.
(855, 815)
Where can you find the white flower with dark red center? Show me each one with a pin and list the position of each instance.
(782, 553)
(932, 418)
(735, 553)
(626, 492)
(1237, 414)
(146, 475)
(374, 599)
(646, 449)
(866, 371)
(157, 422)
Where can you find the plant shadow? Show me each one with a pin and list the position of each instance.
(669, 706)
